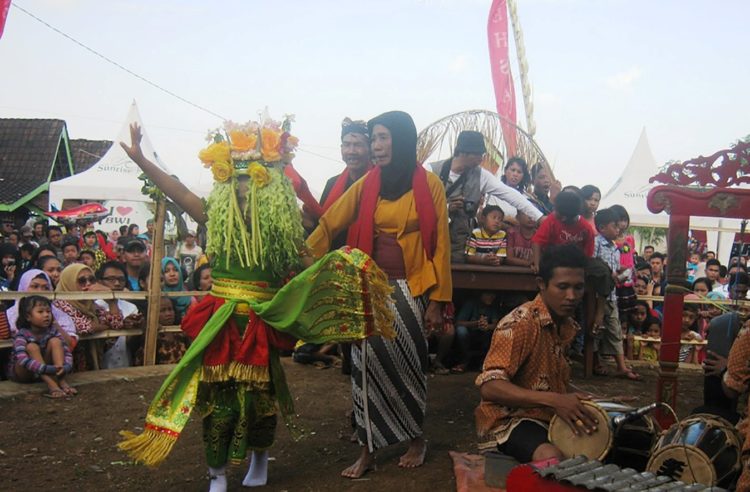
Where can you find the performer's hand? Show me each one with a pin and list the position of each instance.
(569, 408)
(433, 317)
(134, 151)
(714, 364)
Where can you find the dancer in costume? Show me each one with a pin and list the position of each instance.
(231, 373)
(398, 213)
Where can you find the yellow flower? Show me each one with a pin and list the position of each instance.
(222, 171)
(259, 174)
(242, 142)
(270, 141)
(214, 153)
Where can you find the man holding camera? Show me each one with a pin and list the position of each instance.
(466, 183)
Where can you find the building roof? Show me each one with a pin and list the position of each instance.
(86, 153)
(28, 150)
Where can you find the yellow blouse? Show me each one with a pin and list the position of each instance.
(398, 217)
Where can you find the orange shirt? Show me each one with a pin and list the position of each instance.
(737, 378)
(528, 350)
(398, 217)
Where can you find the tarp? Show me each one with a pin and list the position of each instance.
(114, 177)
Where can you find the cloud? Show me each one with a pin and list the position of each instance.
(624, 80)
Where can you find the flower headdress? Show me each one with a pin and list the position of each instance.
(248, 148)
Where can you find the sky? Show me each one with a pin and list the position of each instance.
(601, 71)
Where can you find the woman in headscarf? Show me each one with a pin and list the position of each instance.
(36, 280)
(172, 281)
(398, 214)
(86, 315)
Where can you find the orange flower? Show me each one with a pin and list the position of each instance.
(270, 141)
(242, 142)
(292, 142)
(214, 153)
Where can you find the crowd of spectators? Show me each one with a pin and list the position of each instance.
(38, 258)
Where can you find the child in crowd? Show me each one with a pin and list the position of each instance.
(608, 331)
(643, 350)
(591, 197)
(520, 252)
(564, 226)
(487, 244)
(689, 353)
(39, 351)
(692, 267)
(626, 244)
(475, 324)
(638, 322)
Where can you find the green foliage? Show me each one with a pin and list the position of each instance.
(654, 236)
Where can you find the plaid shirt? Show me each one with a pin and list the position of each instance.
(607, 251)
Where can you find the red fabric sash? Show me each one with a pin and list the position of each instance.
(303, 192)
(339, 187)
(251, 349)
(361, 233)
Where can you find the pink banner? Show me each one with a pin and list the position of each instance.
(4, 7)
(505, 95)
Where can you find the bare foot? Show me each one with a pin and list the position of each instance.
(364, 464)
(414, 456)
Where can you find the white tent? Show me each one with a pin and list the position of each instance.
(114, 177)
(632, 188)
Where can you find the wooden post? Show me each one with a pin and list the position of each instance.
(154, 286)
(666, 390)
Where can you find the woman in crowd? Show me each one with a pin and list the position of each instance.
(172, 281)
(544, 191)
(10, 259)
(591, 197)
(398, 214)
(202, 280)
(516, 174)
(86, 315)
(52, 267)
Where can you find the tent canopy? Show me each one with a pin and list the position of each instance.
(114, 177)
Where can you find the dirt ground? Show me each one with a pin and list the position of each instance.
(70, 445)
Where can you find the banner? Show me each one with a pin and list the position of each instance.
(4, 8)
(502, 79)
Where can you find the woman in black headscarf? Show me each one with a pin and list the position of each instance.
(397, 214)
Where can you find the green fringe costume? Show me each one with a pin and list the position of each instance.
(231, 373)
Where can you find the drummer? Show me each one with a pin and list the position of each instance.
(524, 381)
(735, 382)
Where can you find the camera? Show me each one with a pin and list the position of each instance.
(11, 262)
(470, 208)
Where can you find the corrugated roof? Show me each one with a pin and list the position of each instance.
(27, 150)
(86, 153)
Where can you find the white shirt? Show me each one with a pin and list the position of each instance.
(499, 193)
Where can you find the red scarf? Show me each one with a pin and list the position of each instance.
(361, 233)
(302, 191)
(339, 187)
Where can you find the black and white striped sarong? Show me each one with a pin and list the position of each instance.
(396, 377)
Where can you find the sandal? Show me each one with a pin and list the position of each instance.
(458, 369)
(600, 371)
(440, 369)
(55, 394)
(68, 389)
(630, 375)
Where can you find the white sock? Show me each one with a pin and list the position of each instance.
(218, 479)
(257, 474)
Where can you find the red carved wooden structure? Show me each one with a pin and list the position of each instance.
(707, 197)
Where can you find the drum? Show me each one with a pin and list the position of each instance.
(702, 448)
(628, 445)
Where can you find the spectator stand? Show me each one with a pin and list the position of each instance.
(698, 187)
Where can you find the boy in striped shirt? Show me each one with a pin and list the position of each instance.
(488, 244)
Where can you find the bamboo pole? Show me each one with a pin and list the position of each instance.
(154, 286)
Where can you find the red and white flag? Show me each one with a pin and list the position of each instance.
(502, 79)
(4, 8)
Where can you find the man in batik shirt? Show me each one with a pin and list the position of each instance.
(524, 381)
(736, 381)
